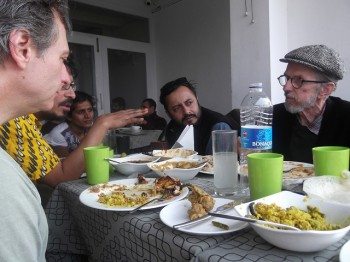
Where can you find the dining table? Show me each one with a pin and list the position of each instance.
(80, 233)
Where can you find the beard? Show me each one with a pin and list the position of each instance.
(301, 106)
(191, 119)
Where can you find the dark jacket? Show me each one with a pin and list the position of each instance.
(202, 129)
(334, 130)
(154, 122)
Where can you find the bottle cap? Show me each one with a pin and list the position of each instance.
(254, 85)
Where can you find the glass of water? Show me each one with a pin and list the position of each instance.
(225, 162)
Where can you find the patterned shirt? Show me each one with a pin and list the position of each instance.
(315, 126)
(22, 139)
(61, 135)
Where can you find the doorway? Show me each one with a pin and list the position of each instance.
(110, 67)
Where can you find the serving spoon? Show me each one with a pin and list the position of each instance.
(257, 221)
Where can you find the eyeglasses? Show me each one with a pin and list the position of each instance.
(72, 86)
(296, 81)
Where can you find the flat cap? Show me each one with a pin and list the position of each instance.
(319, 57)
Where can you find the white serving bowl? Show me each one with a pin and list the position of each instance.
(180, 173)
(302, 241)
(127, 166)
(175, 152)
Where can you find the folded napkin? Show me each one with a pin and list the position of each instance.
(186, 139)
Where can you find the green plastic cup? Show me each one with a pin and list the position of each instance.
(330, 160)
(265, 174)
(96, 165)
(111, 154)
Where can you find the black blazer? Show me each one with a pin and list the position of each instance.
(334, 131)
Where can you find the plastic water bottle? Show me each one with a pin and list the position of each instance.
(256, 122)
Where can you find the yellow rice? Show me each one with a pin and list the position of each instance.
(312, 219)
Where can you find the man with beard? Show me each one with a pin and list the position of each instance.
(22, 139)
(309, 116)
(33, 51)
(181, 104)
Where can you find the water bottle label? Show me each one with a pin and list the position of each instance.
(256, 137)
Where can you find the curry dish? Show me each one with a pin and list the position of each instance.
(312, 219)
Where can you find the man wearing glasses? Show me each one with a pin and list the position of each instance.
(309, 116)
(22, 139)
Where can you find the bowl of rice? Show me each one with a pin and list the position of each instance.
(175, 152)
(181, 168)
(322, 223)
(136, 163)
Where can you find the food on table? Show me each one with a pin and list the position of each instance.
(177, 152)
(299, 172)
(201, 202)
(140, 193)
(139, 161)
(176, 164)
(141, 179)
(312, 219)
(168, 186)
(220, 225)
(209, 166)
(292, 170)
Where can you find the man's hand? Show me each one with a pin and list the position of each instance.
(122, 118)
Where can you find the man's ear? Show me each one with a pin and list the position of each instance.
(20, 47)
(327, 89)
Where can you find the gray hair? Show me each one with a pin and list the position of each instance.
(34, 16)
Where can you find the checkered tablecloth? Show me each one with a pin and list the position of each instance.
(77, 231)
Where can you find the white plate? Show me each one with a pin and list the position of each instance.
(90, 199)
(344, 255)
(176, 213)
(288, 177)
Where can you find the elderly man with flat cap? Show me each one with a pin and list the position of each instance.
(309, 116)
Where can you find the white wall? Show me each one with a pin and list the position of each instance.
(278, 46)
(193, 40)
(250, 52)
(215, 45)
(281, 26)
(322, 22)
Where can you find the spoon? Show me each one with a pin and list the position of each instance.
(257, 221)
(160, 198)
(111, 159)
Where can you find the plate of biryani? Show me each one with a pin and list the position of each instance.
(127, 194)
